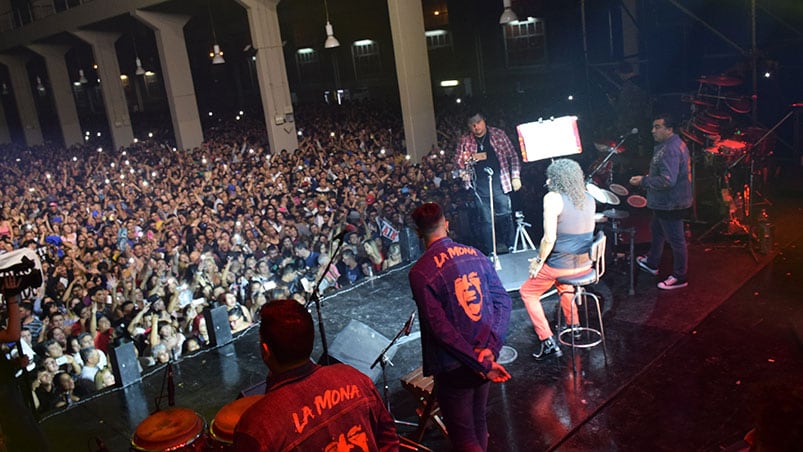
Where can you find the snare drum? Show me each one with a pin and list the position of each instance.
(221, 431)
(173, 429)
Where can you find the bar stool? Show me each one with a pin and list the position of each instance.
(594, 334)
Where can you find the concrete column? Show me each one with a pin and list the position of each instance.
(62, 91)
(113, 95)
(169, 32)
(23, 95)
(272, 73)
(5, 134)
(412, 71)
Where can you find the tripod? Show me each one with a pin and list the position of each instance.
(522, 235)
(383, 361)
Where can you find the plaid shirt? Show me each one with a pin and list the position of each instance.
(509, 163)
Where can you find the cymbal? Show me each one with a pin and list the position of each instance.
(719, 114)
(601, 195)
(616, 214)
(720, 80)
(607, 146)
(696, 101)
(708, 129)
(691, 136)
(739, 105)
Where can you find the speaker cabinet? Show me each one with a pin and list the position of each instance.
(124, 364)
(217, 323)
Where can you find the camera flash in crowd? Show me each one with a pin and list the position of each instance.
(570, 97)
(113, 164)
(75, 159)
(100, 149)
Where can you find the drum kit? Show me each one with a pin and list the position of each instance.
(182, 429)
(721, 138)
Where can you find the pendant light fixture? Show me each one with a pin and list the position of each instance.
(507, 14)
(216, 54)
(331, 41)
(81, 77)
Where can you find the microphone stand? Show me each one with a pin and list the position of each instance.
(315, 297)
(494, 255)
(383, 361)
(611, 152)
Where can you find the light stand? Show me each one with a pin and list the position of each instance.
(521, 234)
(383, 361)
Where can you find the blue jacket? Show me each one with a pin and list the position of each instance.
(669, 182)
(462, 306)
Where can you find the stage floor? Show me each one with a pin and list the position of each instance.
(679, 371)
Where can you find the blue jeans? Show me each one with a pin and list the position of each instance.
(463, 398)
(667, 226)
(502, 217)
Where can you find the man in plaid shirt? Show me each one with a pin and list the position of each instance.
(488, 150)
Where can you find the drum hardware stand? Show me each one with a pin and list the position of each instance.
(616, 229)
(521, 234)
(383, 361)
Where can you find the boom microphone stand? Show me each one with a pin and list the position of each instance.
(315, 297)
(383, 361)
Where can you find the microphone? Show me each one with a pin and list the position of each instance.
(409, 325)
(171, 386)
(633, 131)
(490, 171)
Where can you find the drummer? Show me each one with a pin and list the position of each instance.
(307, 406)
(669, 195)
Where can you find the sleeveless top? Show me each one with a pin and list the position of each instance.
(575, 235)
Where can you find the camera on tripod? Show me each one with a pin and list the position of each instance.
(520, 218)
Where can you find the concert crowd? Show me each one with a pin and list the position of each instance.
(135, 243)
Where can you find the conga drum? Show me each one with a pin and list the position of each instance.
(173, 429)
(221, 431)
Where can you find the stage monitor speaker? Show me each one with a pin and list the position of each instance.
(410, 244)
(125, 365)
(358, 345)
(217, 323)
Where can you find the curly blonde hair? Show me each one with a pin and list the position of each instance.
(566, 177)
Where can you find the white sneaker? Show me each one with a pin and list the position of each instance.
(671, 283)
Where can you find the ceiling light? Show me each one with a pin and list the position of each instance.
(507, 14)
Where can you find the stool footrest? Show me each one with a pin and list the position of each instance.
(585, 341)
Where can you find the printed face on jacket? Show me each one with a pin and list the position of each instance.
(468, 290)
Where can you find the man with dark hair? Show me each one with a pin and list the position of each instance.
(669, 196)
(487, 150)
(307, 406)
(464, 312)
